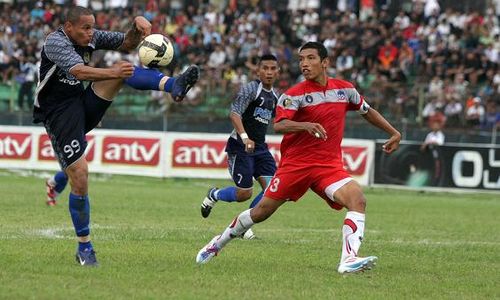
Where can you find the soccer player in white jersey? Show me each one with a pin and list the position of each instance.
(311, 114)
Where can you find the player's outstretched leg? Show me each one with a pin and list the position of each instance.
(152, 79)
(54, 186)
(184, 82)
(236, 229)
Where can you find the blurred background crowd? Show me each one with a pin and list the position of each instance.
(417, 61)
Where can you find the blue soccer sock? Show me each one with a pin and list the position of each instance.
(86, 246)
(148, 79)
(79, 208)
(257, 199)
(61, 181)
(227, 194)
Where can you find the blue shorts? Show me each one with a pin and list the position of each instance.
(67, 127)
(243, 167)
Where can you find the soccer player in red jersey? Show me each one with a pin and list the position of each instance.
(311, 114)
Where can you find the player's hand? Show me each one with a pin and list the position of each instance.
(392, 144)
(249, 145)
(143, 25)
(123, 69)
(316, 130)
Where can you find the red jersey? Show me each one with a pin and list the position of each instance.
(327, 105)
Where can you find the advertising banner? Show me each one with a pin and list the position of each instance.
(451, 166)
(157, 154)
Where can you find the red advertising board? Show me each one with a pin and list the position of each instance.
(15, 145)
(131, 151)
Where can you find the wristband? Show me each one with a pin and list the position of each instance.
(243, 135)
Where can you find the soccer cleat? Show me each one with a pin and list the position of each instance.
(248, 235)
(86, 258)
(208, 203)
(51, 194)
(206, 253)
(357, 264)
(184, 82)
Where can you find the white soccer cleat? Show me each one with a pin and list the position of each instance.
(357, 264)
(207, 252)
(249, 235)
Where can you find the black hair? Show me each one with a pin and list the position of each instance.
(267, 57)
(322, 52)
(74, 13)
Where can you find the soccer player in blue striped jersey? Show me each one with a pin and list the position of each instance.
(69, 110)
(247, 151)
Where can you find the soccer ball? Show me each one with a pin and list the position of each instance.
(155, 51)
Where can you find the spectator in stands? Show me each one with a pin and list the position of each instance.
(453, 111)
(26, 78)
(491, 117)
(475, 113)
(434, 137)
(448, 44)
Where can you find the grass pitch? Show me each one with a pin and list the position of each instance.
(147, 232)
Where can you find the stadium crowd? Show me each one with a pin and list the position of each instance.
(426, 60)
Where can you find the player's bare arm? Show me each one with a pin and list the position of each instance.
(314, 129)
(240, 129)
(121, 69)
(376, 119)
(140, 29)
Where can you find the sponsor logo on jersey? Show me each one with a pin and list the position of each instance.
(15, 145)
(262, 115)
(309, 99)
(46, 152)
(341, 95)
(287, 102)
(131, 151)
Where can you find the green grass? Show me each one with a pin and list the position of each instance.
(147, 232)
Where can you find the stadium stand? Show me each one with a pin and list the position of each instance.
(415, 61)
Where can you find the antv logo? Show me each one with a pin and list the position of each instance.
(131, 151)
(15, 145)
(199, 154)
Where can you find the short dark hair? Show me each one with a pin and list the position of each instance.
(74, 13)
(267, 57)
(322, 52)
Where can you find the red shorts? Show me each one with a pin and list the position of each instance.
(292, 182)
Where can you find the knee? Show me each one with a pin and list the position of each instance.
(79, 180)
(243, 195)
(357, 204)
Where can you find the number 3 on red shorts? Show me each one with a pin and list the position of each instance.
(273, 187)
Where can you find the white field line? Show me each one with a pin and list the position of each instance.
(67, 233)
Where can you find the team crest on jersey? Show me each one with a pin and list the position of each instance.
(341, 95)
(309, 99)
(86, 57)
(287, 102)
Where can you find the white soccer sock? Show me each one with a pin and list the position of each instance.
(352, 233)
(239, 225)
(52, 180)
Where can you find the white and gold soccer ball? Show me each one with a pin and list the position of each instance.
(155, 51)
